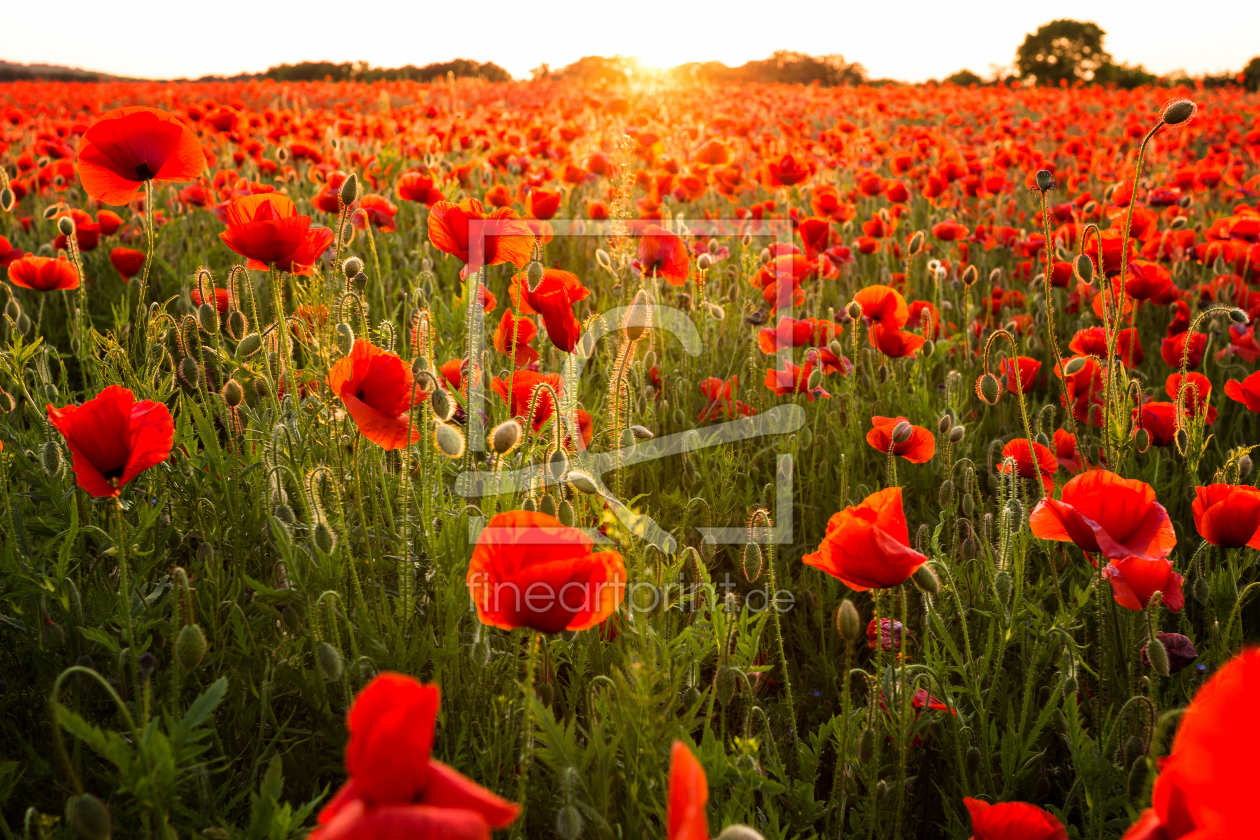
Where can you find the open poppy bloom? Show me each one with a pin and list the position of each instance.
(554, 298)
(376, 388)
(1197, 391)
(1228, 515)
(1206, 784)
(1187, 344)
(376, 210)
(1065, 451)
(113, 438)
(497, 238)
(663, 254)
(1159, 419)
(787, 171)
(1246, 392)
(1027, 368)
(222, 299)
(524, 384)
(867, 546)
(395, 789)
(919, 448)
(721, 396)
(1012, 821)
(525, 333)
(883, 305)
(529, 570)
(43, 274)
(1134, 581)
(780, 281)
(542, 203)
(1092, 341)
(794, 380)
(895, 344)
(1025, 467)
(128, 262)
(128, 146)
(267, 230)
(688, 794)
(1103, 513)
(416, 186)
(8, 253)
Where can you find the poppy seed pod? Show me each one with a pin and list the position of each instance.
(352, 266)
(1045, 180)
(926, 579)
(848, 622)
(89, 818)
(957, 433)
(639, 316)
(233, 394)
(988, 388)
(448, 440)
(248, 346)
(1178, 112)
(505, 436)
(190, 647)
(349, 190)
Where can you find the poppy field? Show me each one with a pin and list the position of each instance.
(469, 460)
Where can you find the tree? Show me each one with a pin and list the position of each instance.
(964, 78)
(1251, 74)
(1062, 50)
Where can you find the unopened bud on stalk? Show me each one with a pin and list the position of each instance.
(564, 512)
(988, 388)
(945, 496)
(854, 310)
(13, 309)
(639, 317)
(440, 403)
(866, 745)
(704, 262)
(957, 433)
(815, 379)
(1158, 654)
(1083, 268)
(995, 276)
(233, 393)
(189, 371)
(753, 561)
(329, 660)
(1183, 441)
(1180, 222)
(1238, 316)
(50, 454)
(449, 441)
(190, 647)
(902, 432)
(604, 260)
(1074, 366)
(944, 424)
(534, 274)
(916, 243)
(1134, 748)
(558, 464)
(764, 256)
(1201, 591)
(926, 579)
(835, 347)
(547, 505)
(349, 190)
(88, 817)
(66, 225)
(237, 324)
(324, 536)
(975, 760)
(1002, 587)
(148, 663)
(1178, 112)
(208, 318)
(248, 346)
(582, 482)
(505, 437)
(848, 622)
(1244, 467)
(1142, 440)
(6, 199)
(352, 266)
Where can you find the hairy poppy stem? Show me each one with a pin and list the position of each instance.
(527, 725)
(1050, 331)
(124, 587)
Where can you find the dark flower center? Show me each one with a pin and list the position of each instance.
(143, 172)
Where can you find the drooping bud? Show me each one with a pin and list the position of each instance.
(737, 831)
(547, 505)
(190, 647)
(582, 482)
(1244, 467)
(534, 274)
(1083, 268)
(815, 379)
(929, 347)
(988, 388)
(1158, 656)
(1002, 587)
(569, 823)
(704, 262)
(558, 464)
(642, 433)
(189, 371)
(957, 433)
(753, 561)
(441, 404)
(564, 512)
(1238, 316)
(866, 745)
(1134, 748)
(324, 536)
(944, 424)
(1136, 782)
(349, 190)
(148, 663)
(848, 622)
(506, 436)
(1074, 366)
(50, 455)
(6, 199)
(975, 760)
(329, 660)
(237, 324)
(1142, 440)
(208, 318)
(926, 579)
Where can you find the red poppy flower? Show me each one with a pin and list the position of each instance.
(867, 546)
(528, 570)
(895, 344)
(87, 233)
(815, 236)
(396, 790)
(1205, 787)
(554, 298)
(222, 298)
(794, 380)
(950, 231)
(416, 186)
(1198, 390)
(1065, 451)
(542, 203)
(525, 333)
(128, 146)
(1147, 280)
(664, 254)
(453, 373)
(267, 230)
(1246, 392)
(1173, 348)
(524, 384)
(1046, 461)
(8, 254)
(1134, 581)
(376, 210)
(1012, 821)
(1092, 341)
(919, 448)
(721, 397)
(1027, 374)
(825, 200)
(1228, 515)
(113, 438)
(1160, 421)
(376, 388)
(505, 237)
(1103, 513)
(883, 305)
(43, 274)
(780, 281)
(127, 261)
(688, 794)
(786, 171)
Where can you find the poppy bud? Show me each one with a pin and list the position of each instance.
(929, 347)
(866, 745)
(1180, 222)
(854, 310)
(1070, 686)
(736, 831)
(248, 346)
(1244, 467)
(529, 505)
(534, 274)
(189, 371)
(1158, 656)
(148, 663)
(582, 482)
(604, 260)
(848, 622)
(1002, 587)
(568, 823)
(88, 817)
(882, 373)
(752, 562)
(968, 505)
(926, 579)
(291, 618)
(1045, 180)
(190, 647)
(1015, 514)
(6, 199)
(440, 403)
(262, 388)
(704, 262)
(716, 312)
(815, 379)
(505, 436)
(957, 433)
(50, 454)
(1142, 440)
(349, 190)
(325, 538)
(988, 388)
(352, 266)
(764, 256)
(1201, 591)
(13, 309)
(345, 338)
(901, 432)
(916, 243)
(360, 280)
(448, 439)
(233, 394)
(881, 790)
(1178, 111)
(975, 760)
(329, 660)
(1083, 268)
(1183, 441)
(66, 225)
(547, 505)
(558, 464)
(237, 324)
(642, 433)
(285, 514)
(1238, 316)
(1137, 779)
(945, 496)
(639, 316)
(564, 512)
(208, 318)
(1134, 749)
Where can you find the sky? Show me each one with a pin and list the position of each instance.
(909, 40)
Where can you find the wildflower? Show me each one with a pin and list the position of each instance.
(43, 274)
(1228, 515)
(1135, 580)
(867, 546)
(113, 438)
(1103, 513)
(688, 794)
(1012, 821)
(127, 261)
(505, 237)
(128, 146)
(553, 298)
(267, 230)
(664, 254)
(376, 388)
(1046, 461)
(917, 444)
(524, 384)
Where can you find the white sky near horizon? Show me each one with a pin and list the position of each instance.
(910, 40)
